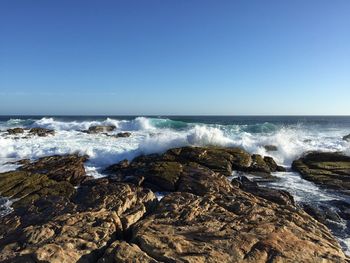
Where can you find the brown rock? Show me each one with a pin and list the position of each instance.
(270, 162)
(25, 188)
(100, 129)
(15, 131)
(276, 196)
(68, 167)
(123, 134)
(163, 172)
(105, 211)
(41, 132)
(236, 227)
(123, 252)
(328, 169)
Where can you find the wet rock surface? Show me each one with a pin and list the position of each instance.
(202, 218)
(100, 129)
(346, 138)
(271, 148)
(277, 196)
(328, 169)
(41, 132)
(15, 131)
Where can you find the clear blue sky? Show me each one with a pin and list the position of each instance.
(175, 57)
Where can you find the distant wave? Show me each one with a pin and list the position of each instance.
(153, 135)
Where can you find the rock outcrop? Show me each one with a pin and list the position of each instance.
(68, 167)
(41, 132)
(276, 196)
(15, 131)
(346, 138)
(24, 187)
(163, 172)
(206, 218)
(83, 233)
(100, 129)
(328, 169)
(235, 227)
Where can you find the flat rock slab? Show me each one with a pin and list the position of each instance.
(328, 169)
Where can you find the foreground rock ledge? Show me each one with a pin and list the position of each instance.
(232, 228)
(207, 219)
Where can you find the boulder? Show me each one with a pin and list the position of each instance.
(41, 132)
(100, 129)
(328, 169)
(232, 227)
(270, 162)
(15, 131)
(68, 167)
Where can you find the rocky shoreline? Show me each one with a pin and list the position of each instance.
(62, 215)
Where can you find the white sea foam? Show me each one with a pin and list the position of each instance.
(154, 136)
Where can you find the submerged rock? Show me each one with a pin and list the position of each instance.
(100, 129)
(234, 227)
(41, 132)
(15, 131)
(123, 134)
(328, 169)
(271, 148)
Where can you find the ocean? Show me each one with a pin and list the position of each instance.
(292, 135)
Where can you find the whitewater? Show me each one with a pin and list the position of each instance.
(292, 136)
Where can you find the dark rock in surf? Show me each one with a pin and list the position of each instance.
(328, 169)
(100, 129)
(41, 132)
(123, 135)
(347, 138)
(277, 196)
(270, 162)
(271, 148)
(321, 213)
(15, 131)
